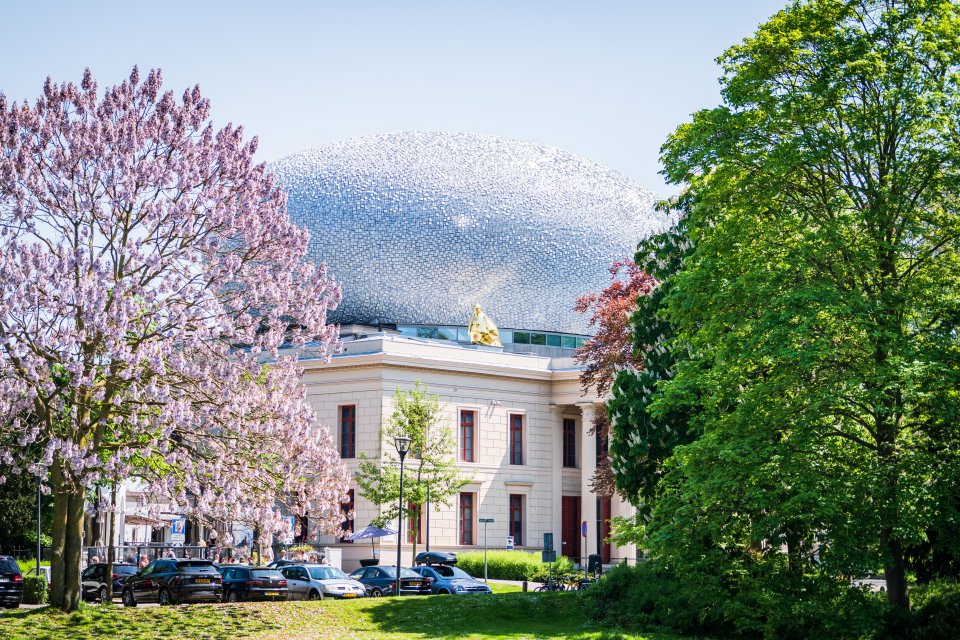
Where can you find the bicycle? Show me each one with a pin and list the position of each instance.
(552, 585)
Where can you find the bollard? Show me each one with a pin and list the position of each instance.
(524, 585)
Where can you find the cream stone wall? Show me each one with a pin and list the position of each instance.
(491, 383)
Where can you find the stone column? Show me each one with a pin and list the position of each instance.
(623, 509)
(588, 465)
(556, 481)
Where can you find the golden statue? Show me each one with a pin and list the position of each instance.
(482, 330)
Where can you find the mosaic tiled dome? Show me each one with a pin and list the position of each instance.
(417, 227)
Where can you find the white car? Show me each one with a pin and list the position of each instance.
(319, 581)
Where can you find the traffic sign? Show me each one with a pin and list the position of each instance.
(583, 528)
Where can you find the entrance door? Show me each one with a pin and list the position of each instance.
(570, 521)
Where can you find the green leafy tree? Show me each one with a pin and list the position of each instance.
(429, 468)
(819, 308)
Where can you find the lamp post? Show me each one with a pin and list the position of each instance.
(402, 443)
(485, 522)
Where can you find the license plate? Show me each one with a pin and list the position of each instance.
(202, 581)
(273, 593)
(349, 595)
(416, 584)
(4, 579)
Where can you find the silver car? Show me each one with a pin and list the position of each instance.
(319, 581)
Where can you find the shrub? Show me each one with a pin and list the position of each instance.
(758, 603)
(34, 589)
(510, 565)
(936, 609)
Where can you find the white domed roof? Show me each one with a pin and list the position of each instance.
(417, 227)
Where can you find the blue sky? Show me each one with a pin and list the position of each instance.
(606, 80)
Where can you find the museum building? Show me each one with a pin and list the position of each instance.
(418, 228)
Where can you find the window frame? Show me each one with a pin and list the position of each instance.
(470, 519)
(515, 438)
(571, 439)
(474, 432)
(353, 431)
(516, 506)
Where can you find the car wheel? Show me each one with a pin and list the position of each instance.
(375, 593)
(232, 596)
(315, 595)
(163, 597)
(103, 594)
(443, 592)
(128, 600)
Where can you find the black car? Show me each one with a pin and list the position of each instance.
(11, 583)
(93, 580)
(241, 582)
(382, 581)
(436, 557)
(174, 581)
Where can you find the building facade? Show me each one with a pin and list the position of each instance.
(523, 433)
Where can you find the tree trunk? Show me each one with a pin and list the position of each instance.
(895, 570)
(111, 550)
(67, 541)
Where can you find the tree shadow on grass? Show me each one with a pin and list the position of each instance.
(510, 615)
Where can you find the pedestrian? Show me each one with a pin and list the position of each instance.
(212, 537)
(323, 560)
(313, 557)
(95, 560)
(144, 561)
(283, 554)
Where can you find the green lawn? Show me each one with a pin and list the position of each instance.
(512, 616)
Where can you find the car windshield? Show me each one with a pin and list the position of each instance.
(195, 565)
(9, 566)
(404, 572)
(327, 573)
(453, 572)
(271, 574)
(124, 569)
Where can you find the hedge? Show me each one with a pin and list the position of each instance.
(511, 565)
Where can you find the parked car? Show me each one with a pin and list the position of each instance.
(173, 581)
(381, 581)
(241, 582)
(319, 581)
(451, 580)
(435, 557)
(93, 580)
(11, 583)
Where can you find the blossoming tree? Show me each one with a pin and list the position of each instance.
(149, 278)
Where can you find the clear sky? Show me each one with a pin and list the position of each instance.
(606, 80)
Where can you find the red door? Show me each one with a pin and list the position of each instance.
(570, 536)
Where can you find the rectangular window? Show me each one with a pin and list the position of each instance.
(466, 518)
(516, 438)
(347, 509)
(569, 442)
(414, 517)
(516, 519)
(348, 431)
(468, 432)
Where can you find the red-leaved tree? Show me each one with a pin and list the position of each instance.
(610, 349)
(149, 277)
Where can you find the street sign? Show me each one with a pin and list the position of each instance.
(509, 543)
(178, 530)
(583, 528)
(548, 555)
(548, 542)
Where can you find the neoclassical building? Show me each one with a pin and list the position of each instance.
(418, 228)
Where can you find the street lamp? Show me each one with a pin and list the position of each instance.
(485, 522)
(402, 443)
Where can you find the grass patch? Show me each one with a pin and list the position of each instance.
(508, 616)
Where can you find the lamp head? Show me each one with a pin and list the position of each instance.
(403, 445)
